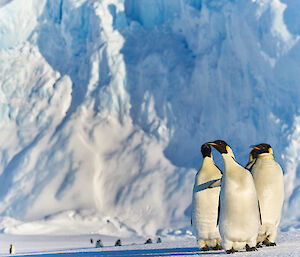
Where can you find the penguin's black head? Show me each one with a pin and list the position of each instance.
(220, 146)
(262, 148)
(206, 150)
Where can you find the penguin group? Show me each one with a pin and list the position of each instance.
(99, 243)
(239, 207)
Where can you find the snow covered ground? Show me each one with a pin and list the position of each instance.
(288, 245)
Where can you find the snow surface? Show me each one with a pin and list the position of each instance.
(80, 245)
(104, 105)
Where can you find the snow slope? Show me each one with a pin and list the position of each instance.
(104, 105)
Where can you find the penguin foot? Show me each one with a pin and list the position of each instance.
(230, 251)
(218, 247)
(258, 245)
(266, 242)
(204, 249)
(250, 249)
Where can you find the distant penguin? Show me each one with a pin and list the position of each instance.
(205, 204)
(118, 243)
(148, 241)
(99, 244)
(12, 249)
(268, 178)
(239, 217)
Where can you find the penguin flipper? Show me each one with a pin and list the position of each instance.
(259, 213)
(218, 218)
(209, 184)
(216, 183)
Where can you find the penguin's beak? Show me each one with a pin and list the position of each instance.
(254, 147)
(211, 143)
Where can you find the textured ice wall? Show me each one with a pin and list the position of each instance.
(105, 104)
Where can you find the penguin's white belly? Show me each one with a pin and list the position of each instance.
(269, 184)
(239, 216)
(205, 213)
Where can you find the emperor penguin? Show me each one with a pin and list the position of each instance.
(205, 203)
(239, 217)
(12, 249)
(268, 178)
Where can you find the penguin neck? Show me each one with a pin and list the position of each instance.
(208, 171)
(250, 164)
(229, 161)
(208, 161)
(229, 155)
(266, 156)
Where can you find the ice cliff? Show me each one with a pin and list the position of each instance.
(104, 105)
